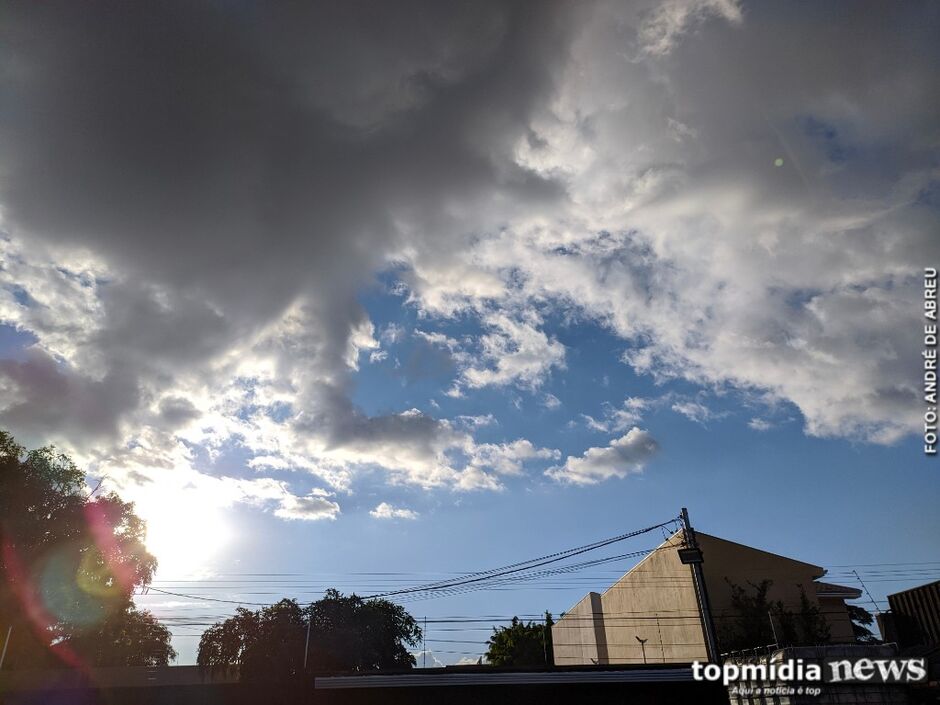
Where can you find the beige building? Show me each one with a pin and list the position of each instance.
(652, 613)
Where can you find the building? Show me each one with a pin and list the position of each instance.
(651, 614)
(914, 619)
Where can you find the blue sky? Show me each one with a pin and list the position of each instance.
(334, 298)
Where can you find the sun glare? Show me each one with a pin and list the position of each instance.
(185, 532)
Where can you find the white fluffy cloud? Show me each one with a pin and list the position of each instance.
(311, 507)
(624, 456)
(758, 225)
(387, 511)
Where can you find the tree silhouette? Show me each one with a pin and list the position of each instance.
(755, 621)
(862, 619)
(347, 633)
(522, 644)
(69, 563)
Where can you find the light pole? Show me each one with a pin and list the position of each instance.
(642, 645)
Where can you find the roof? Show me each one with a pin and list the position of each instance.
(914, 589)
(489, 677)
(817, 570)
(831, 590)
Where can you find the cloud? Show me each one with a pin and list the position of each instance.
(716, 266)
(620, 419)
(309, 508)
(759, 424)
(392, 333)
(189, 220)
(513, 351)
(550, 401)
(517, 353)
(696, 411)
(479, 421)
(387, 511)
(663, 27)
(309, 180)
(624, 456)
(508, 458)
(427, 658)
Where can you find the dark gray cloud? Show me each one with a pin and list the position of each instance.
(224, 162)
(41, 394)
(195, 194)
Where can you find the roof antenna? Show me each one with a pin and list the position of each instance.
(873, 603)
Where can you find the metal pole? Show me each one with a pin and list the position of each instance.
(773, 629)
(698, 579)
(5, 645)
(307, 645)
(642, 646)
(662, 646)
(424, 643)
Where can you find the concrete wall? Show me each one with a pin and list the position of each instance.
(575, 636)
(656, 602)
(726, 561)
(840, 626)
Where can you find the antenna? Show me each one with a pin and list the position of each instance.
(873, 603)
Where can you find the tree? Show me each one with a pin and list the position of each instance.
(347, 633)
(756, 621)
(128, 638)
(360, 635)
(70, 562)
(522, 644)
(862, 619)
(749, 624)
(811, 625)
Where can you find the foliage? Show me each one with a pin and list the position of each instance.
(130, 637)
(862, 619)
(749, 624)
(757, 621)
(347, 633)
(811, 625)
(360, 635)
(522, 644)
(70, 562)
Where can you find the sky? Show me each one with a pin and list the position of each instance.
(366, 295)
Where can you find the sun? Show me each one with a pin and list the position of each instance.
(185, 532)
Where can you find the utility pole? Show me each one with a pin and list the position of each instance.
(691, 554)
(545, 644)
(6, 643)
(424, 644)
(773, 629)
(307, 645)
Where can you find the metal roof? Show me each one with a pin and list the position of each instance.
(411, 680)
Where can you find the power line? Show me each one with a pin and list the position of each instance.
(523, 565)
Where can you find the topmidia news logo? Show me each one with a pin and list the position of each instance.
(830, 670)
